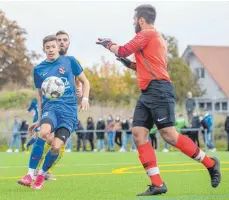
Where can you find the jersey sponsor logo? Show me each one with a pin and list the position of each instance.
(62, 70)
(66, 82)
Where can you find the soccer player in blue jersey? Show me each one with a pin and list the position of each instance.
(58, 115)
(63, 42)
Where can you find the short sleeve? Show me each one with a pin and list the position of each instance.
(37, 79)
(76, 67)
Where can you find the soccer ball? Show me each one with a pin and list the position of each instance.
(53, 87)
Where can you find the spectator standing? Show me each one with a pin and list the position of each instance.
(24, 133)
(190, 106)
(16, 135)
(100, 127)
(90, 134)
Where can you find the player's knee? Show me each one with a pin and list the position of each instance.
(50, 138)
(170, 135)
(55, 149)
(140, 135)
(63, 134)
(44, 134)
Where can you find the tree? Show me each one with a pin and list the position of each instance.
(181, 75)
(110, 85)
(183, 79)
(15, 60)
(172, 46)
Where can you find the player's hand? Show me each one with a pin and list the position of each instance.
(32, 127)
(84, 106)
(106, 42)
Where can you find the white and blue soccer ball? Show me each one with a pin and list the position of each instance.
(53, 87)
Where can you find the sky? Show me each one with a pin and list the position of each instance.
(191, 22)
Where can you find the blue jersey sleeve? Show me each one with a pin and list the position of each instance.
(31, 107)
(37, 79)
(76, 67)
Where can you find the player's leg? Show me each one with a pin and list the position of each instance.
(31, 142)
(166, 110)
(47, 146)
(47, 125)
(65, 122)
(61, 154)
(142, 123)
(36, 154)
(61, 136)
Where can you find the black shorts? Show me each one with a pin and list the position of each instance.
(156, 105)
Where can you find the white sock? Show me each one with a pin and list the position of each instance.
(31, 172)
(41, 172)
(200, 156)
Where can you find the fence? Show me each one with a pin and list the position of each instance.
(5, 136)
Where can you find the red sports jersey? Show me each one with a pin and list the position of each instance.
(150, 51)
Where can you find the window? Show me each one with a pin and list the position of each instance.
(200, 72)
(201, 105)
(217, 106)
(224, 105)
(209, 106)
(197, 73)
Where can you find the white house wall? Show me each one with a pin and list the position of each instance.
(208, 83)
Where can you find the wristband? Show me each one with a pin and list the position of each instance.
(85, 99)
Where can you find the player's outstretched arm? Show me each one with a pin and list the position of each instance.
(135, 45)
(86, 89)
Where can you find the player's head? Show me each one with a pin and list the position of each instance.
(63, 42)
(50, 47)
(145, 15)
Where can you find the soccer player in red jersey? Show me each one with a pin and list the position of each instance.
(157, 100)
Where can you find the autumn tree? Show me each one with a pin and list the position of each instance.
(16, 62)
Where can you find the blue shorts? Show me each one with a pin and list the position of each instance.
(60, 118)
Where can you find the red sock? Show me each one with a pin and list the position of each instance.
(147, 157)
(188, 147)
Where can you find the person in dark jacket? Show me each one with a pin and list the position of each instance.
(100, 135)
(190, 106)
(227, 130)
(127, 126)
(24, 133)
(81, 137)
(90, 134)
(195, 124)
